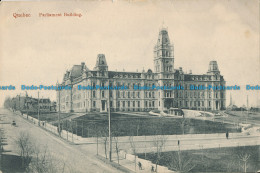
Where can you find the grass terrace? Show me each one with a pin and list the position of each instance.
(210, 160)
(134, 125)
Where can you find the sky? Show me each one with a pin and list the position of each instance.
(38, 50)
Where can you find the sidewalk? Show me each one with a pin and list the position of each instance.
(144, 144)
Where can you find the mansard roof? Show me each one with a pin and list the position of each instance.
(75, 72)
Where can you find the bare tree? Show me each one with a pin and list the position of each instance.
(181, 162)
(26, 147)
(133, 147)
(43, 162)
(138, 123)
(104, 134)
(158, 142)
(2, 140)
(117, 147)
(36, 159)
(116, 133)
(183, 122)
(244, 157)
(97, 132)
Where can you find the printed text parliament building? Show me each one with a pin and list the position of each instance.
(164, 74)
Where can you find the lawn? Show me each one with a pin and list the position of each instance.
(50, 116)
(131, 125)
(211, 160)
(243, 115)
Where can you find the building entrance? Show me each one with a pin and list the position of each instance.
(103, 102)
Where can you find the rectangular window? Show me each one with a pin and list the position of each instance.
(94, 104)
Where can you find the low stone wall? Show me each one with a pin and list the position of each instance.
(146, 164)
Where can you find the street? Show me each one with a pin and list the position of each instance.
(74, 158)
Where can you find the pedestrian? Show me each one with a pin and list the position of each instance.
(227, 134)
(152, 170)
(178, 142)
(140, 165)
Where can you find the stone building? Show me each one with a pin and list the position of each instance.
(29, 104)
(175, 94)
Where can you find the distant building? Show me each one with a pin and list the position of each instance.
(232, 108)
(164, 74)
(30, 104)
(53, 107)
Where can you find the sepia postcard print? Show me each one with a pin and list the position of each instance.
(130, 86)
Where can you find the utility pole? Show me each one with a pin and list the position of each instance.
(77, 129)
(82, 133)
(27, 107)
(109, 126)
(59, 113)
(247, 108)
(38, 110)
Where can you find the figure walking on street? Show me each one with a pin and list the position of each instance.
(227, 134)
(140, 165)
(152, 170)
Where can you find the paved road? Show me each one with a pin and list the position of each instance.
(74, 158)
(187, 142)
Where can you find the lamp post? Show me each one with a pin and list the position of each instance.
(109, 126)
(59, 129)
(38, 110)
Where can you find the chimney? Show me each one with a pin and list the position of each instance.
(82, 65)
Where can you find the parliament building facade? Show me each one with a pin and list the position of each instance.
(164, 74)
